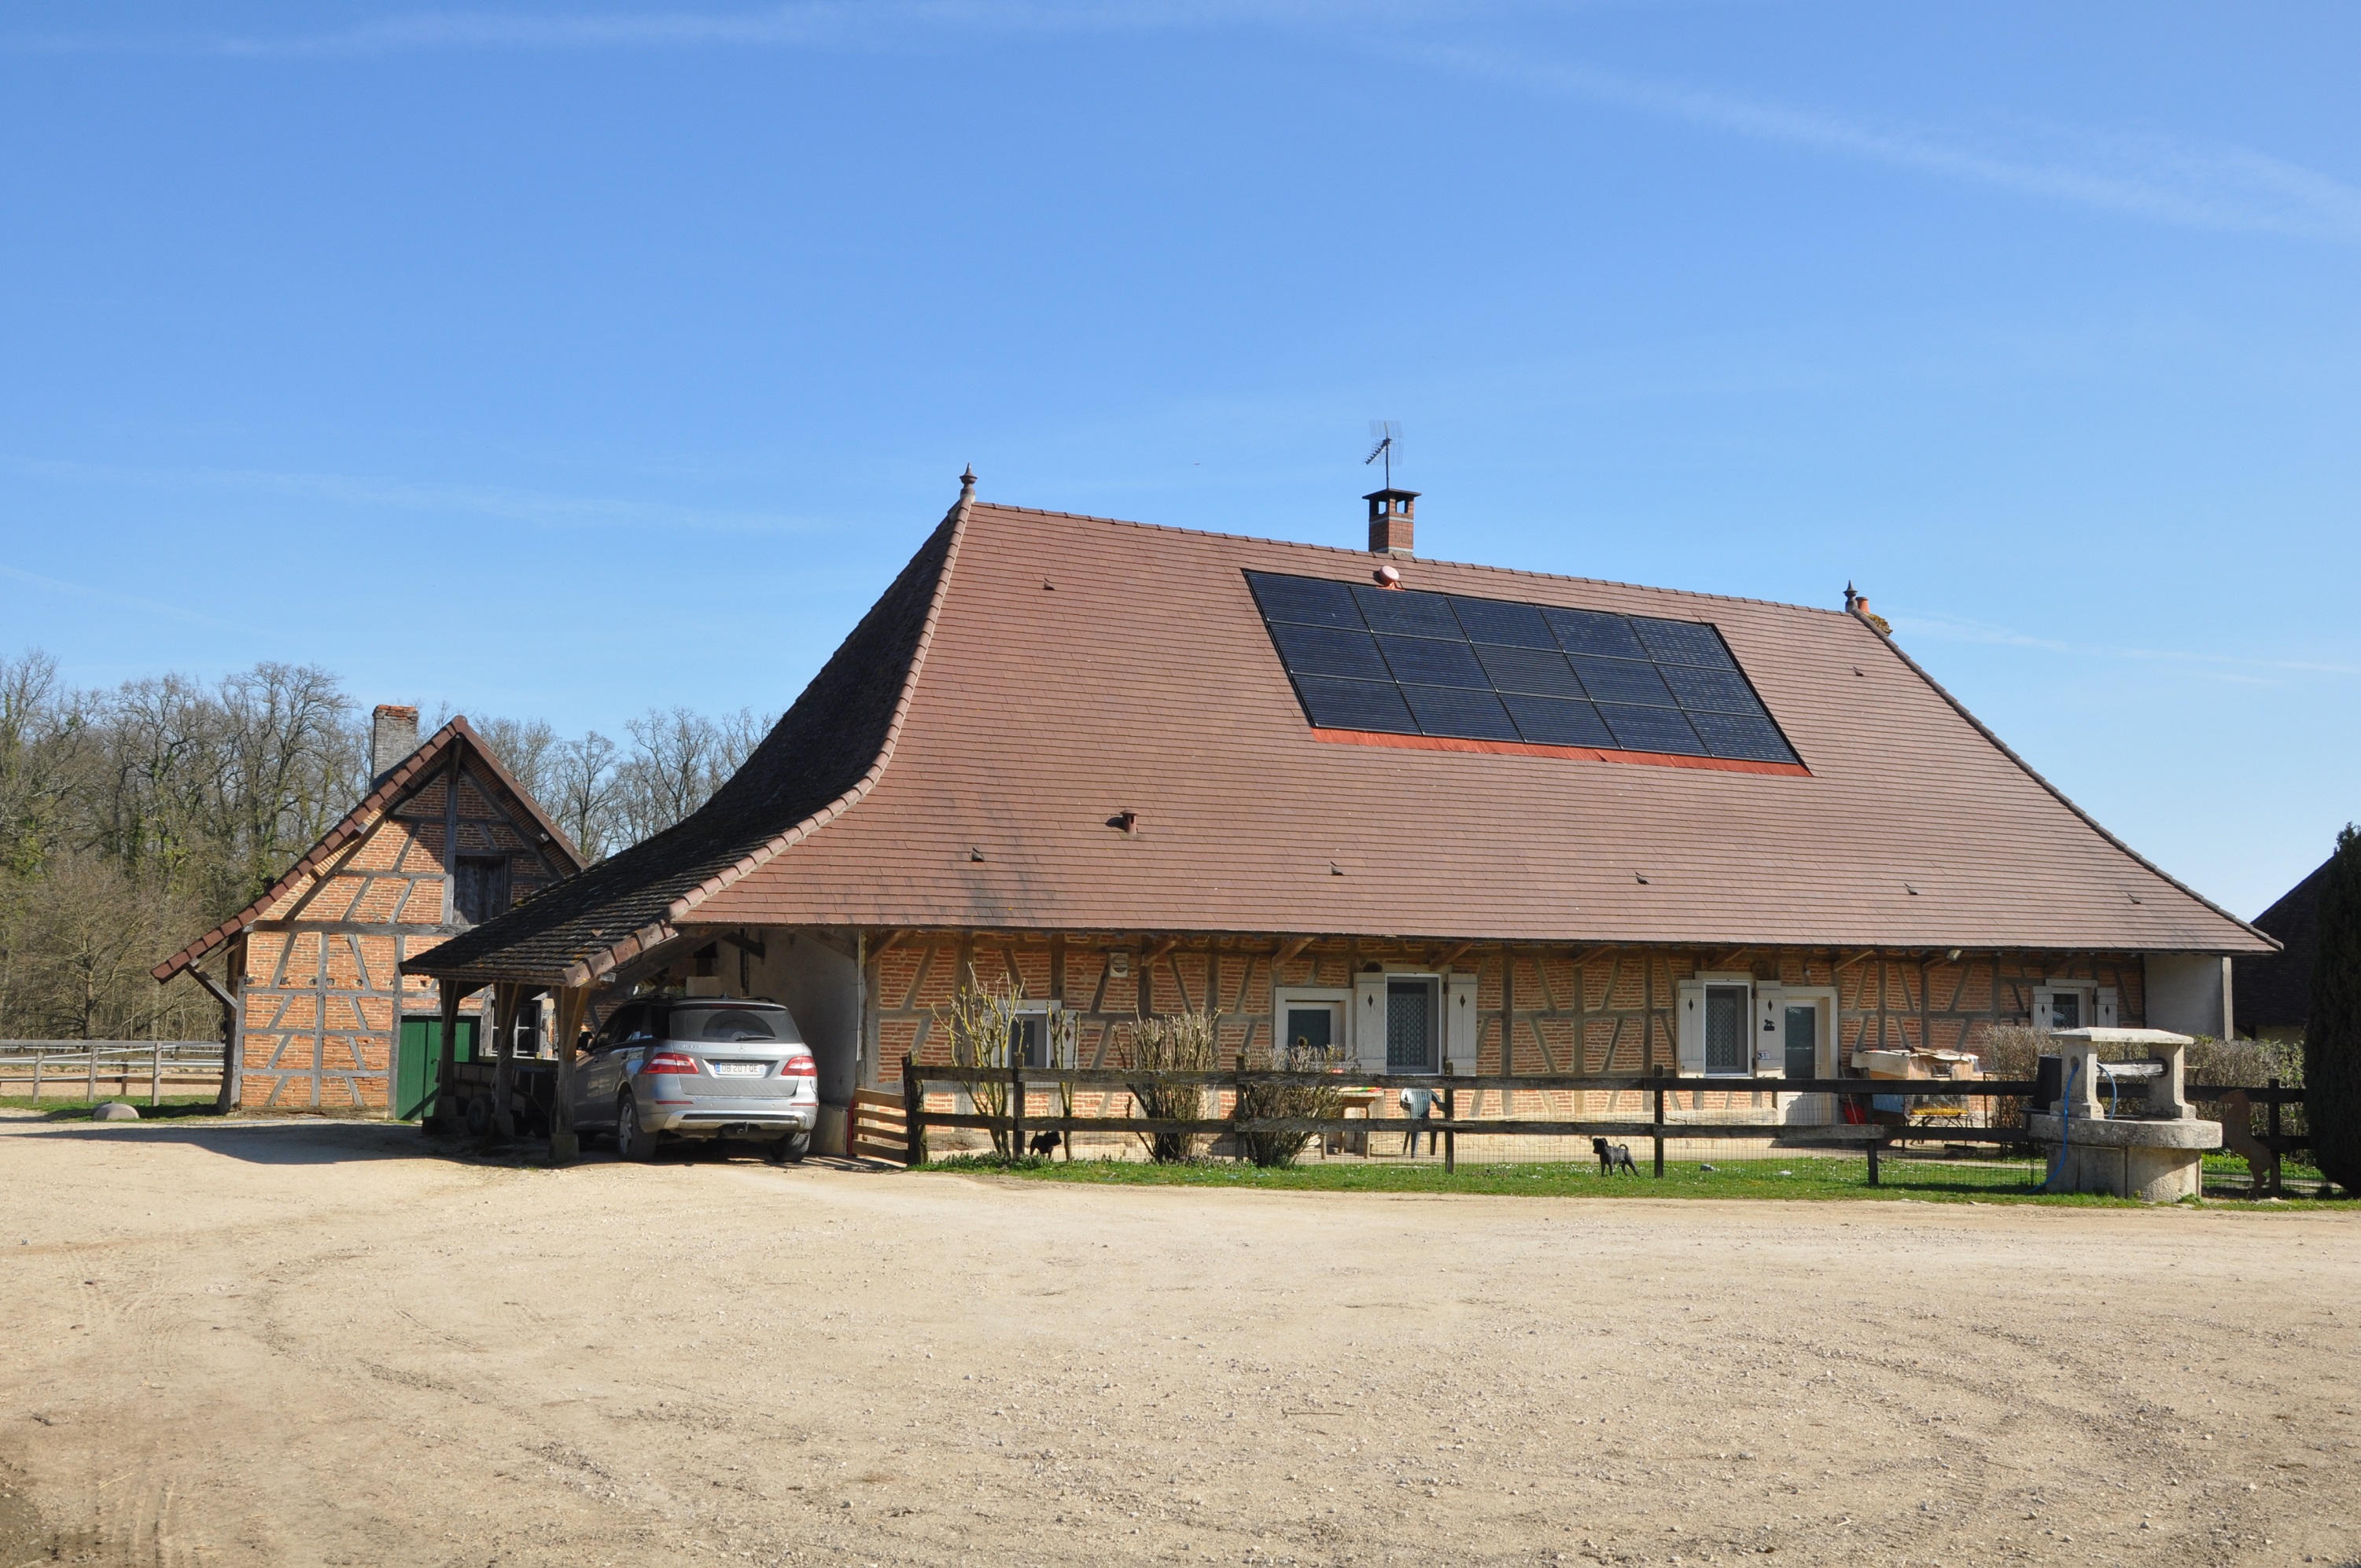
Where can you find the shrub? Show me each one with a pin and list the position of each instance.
(1172, 1042)
(2332, 1044)
(978, 1022)
(1257, 1101)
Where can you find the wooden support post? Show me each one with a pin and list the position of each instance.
(504, 1023)
(91, 1052)
(1659, 1134)
(1450, 1112)
(2272, 1122)
(1016, 1104)
(155, 1072)
(445, 1117)
(232, 1045)
(914, 1115)
(573, 1001)
(1875, 1145)
(1238, 1096)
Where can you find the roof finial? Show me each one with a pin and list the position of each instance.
(1851, 597)
(967, 481)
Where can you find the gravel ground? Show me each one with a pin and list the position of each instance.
(323, 1344)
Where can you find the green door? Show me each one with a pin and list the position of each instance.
(421, 1051)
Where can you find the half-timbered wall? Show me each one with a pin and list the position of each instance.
(1568, 1010)
(323, 989)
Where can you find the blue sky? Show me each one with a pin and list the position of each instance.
(567, 360)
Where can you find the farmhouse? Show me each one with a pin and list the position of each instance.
(319, 1009)
(1426, 812)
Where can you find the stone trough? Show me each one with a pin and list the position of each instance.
(2142, 1140)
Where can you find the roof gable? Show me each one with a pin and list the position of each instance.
(406, 778)
(822, 756)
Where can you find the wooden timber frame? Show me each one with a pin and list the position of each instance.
(1595, 1010)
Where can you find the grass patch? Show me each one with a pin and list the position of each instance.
(56, 1110)
(1807, 1177)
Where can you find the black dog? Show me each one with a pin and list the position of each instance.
(1612, 1157)
(1047, 1142)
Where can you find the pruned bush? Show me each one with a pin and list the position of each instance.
(2332, 1043)
(1287, 1101)
(1171, 1042)
(979, 1022)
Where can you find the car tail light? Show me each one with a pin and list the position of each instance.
(671, 1061)
(800, 1066)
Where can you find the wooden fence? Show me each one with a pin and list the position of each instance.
(1873, 1137)
(46, 1067)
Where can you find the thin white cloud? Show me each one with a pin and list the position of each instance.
(805, 22)
(108, 595)
(2172, 178)
(2224, 666)
(2158, 177)
(536, 508)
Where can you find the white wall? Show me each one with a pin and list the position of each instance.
(818, 984)
(2190, 993)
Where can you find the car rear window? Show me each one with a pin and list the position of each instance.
(726, 1024)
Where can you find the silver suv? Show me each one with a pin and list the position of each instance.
(707, 1067)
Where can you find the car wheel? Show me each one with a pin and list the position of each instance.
(787, 1150)
(480, 1115)
(633, 1141)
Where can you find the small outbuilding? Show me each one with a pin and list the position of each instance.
(1421, 811)
(2274, 990)
(320, 1008)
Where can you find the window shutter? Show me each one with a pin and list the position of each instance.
(1689, 1027)
(2103, 1012)
(1460, 1023)
(1369, 1024)
(2043, 997)
(1770, 1032)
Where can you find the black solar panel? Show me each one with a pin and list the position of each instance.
(1430, 661)
(1330, 651)
(1356, 705)
(1422, 663)
(1457, 710)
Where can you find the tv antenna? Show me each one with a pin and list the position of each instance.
(1387, 433)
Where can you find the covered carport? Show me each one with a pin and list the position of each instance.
(544, 1012)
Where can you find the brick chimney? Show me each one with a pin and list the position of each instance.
(1390, 514)
(393, 735)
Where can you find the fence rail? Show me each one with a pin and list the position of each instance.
(45, 1066)
(911, 1119)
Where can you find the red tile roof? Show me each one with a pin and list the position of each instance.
(1069, 669)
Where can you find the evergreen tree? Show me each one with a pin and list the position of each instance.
(2331, 1042)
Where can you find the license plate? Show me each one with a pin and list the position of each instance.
(737, 1068)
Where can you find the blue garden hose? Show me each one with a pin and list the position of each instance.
(2065, 1128)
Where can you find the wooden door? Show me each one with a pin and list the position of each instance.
(417, 1054)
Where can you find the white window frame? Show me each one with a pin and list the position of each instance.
(1367, 1050)
(1047, 1010)
(2100, 1008)
(1688, 1032)
(1337, 997)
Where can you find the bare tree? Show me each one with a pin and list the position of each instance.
(585, 794)
(678, 759)
(131, 818)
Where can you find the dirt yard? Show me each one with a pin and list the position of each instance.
(323, 1344)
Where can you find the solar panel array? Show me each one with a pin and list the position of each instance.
(1404, 662)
